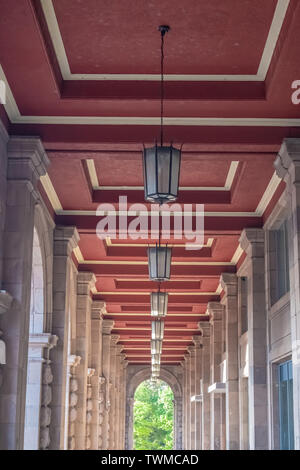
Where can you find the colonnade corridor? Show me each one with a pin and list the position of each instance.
(149, 226)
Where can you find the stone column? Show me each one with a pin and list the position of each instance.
(119, 403)
(198, 374)
(113, 392)
(216, 312)
(71, 392)
(192, 432)
(89, 409)
(85, 282)
(204, 326)
(287, 166)
(98, 308)
(38, 412)
(3, 183)
(184, 430)
(188, 400)
(229, 284)
(27, 161)
(252, 242)
(124, 401)
(107, 326)
(65, 240)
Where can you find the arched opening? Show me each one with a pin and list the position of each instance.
(153, 416)
(136, 375)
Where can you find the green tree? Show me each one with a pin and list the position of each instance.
(153, 416)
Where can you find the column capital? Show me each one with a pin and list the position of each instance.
(288, 158)
(125, 364)
(65, 240)
(73, 360)
(197, 340)
(215, 311)
(107, 326)
(85, 282)
(204, 327)
(90, 372)
(27, 159)
(229, 283)
(98, 309)
(192, 350)
(252, 242)
(115, 339)
(43, 340)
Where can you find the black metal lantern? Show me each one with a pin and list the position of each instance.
(161, 163)
(161, 173)
(159, 304)
(159, 262)
(156, 346)
(157, 329)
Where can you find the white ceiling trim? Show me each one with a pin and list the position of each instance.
(15, 117)
(266, 58)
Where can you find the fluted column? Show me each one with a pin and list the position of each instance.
(230, 299)
(65, 240)
(198, 405)
(85, 282)
(216, 312)
(124, 400)
(26, 163)
(205, 329)
(98, 308)
(107, 326)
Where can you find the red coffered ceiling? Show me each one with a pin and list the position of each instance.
(84, 75)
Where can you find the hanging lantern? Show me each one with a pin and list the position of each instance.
(159, 261)
(161, 173)
(157, 328)
(155, 359)
(155, 367)
(161, 163)
(159, 304)
(156, 346)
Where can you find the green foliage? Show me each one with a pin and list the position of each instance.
(153, 416)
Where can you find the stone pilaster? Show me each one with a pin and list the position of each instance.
(26, 162)
(252, 242)
(119, 403)
(107, 326)
(71, 390)
(113, 391)
(216, 312)
(3, 183)
(204, 327)
(187, 358)
(230, 300)
(65, 240)
(192, 351)
(198, 405)
(124, 400)
(287, 166)
(98, 309)
(89, 409)
(85, 282)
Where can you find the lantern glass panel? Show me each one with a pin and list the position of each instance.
(159, 261)
(157, 329)
(161, 173)
(156, 346)
(159, 304)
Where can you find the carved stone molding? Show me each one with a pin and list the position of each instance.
(89, 407)
(73, 362)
